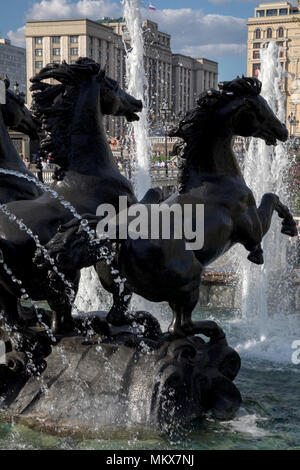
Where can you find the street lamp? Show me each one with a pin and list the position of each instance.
(164, 110)
(292, 121)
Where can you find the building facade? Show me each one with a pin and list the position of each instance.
(13, 63)
(190, 78)
(174, 81)
(280, 22)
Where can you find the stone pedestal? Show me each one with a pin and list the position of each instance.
(123, 378)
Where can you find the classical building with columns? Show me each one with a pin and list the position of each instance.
(280, 22)
(174, 81)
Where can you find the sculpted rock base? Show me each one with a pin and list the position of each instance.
(120, 377)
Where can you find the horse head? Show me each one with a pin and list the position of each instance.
(115, 101)
(251, 114)
(235, 109)
(76, 103)
(15, 114)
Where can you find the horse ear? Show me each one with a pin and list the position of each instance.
(7, 82)
(101, 74)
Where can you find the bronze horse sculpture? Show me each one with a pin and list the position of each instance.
(163, 270)
(14, 115)
(75, 116)
(86, 174)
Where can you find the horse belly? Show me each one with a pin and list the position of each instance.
(158, 269)
(218, 230)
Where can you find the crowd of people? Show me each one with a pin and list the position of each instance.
(43, 162)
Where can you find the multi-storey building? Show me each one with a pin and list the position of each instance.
(190, 78)
(13, 63)
(174, 80)
(280, 22)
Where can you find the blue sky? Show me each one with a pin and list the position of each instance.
(214, 29)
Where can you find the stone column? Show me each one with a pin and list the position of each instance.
(47, 52)
(64, 48)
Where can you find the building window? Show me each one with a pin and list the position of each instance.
(260, 13)
(56, 39)
(283, 11)
(91, 52)
(269, 33)
(272, 12)
(38, 40)
(39, 52)
(280, 32)
(74, 50)
(90, 40)
(74, 39)
(280, 44)
(56, 51)
(99, 42)
(257, 34)
(255, 70)
(281, 53)
(39, 64)
(256, 54)
(256, 45)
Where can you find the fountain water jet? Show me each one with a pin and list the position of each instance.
(264, 290)
(137, 85)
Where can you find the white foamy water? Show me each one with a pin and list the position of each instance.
(137, 86)
(91, 296)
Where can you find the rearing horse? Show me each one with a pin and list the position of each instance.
(75, 110)
(72, 115)
(163, 270)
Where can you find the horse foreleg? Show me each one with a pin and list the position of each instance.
(270, 202)
(265, 213)
(10, 307)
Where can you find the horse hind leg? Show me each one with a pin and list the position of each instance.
(182, 308)
(182, 324)
(117, 314)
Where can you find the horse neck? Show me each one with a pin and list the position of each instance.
(9, 157)
(211, 155)
(90, 152)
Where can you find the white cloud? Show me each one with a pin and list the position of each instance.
(215, 50)
(193, 32)
(196, 33)
(60, 9)
(17, 37)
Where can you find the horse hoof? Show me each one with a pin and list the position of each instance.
(177, 331)
(256, 257)
(289, 230)
(116, 318)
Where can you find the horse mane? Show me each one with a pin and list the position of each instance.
(197, 119)
(53, 104)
